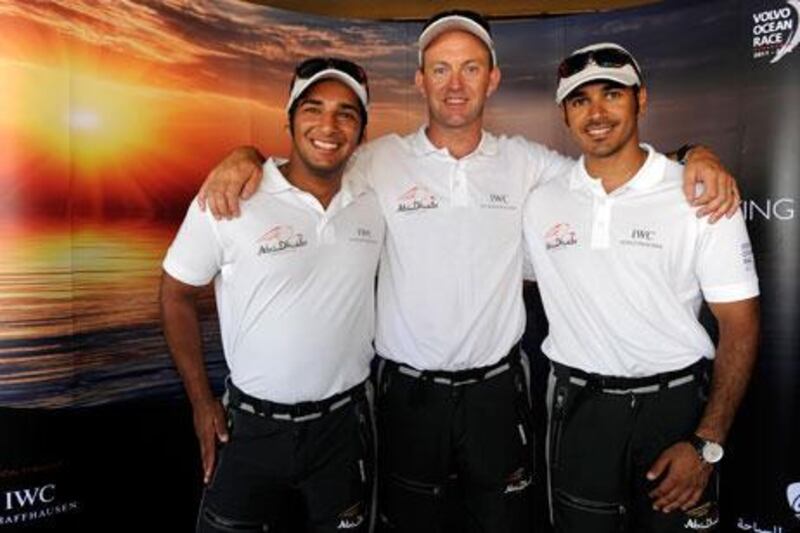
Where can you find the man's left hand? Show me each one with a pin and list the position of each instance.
(685, 480)
(720, 196)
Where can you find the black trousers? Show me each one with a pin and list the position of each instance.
(602, 442)
(447, 448)
(283, 476)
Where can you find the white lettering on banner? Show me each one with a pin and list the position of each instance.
(28, 497)
(39, 514)
(775, 31)
(746, 525)
(769, 208)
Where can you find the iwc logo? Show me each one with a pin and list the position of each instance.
(775, 31)
(30, 504)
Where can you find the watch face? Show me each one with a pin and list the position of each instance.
(712, 452)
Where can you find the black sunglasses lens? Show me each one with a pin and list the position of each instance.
(605, 57)
(612, 58)
(573, 64)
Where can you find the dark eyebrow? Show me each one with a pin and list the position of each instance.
(350, 107)
(319, 103)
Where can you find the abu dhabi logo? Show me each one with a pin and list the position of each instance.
(793, 497)
(280, 238)
(416, 198)
(775, 31)
(560, 235)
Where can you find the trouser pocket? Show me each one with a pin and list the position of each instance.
(410, 506)
(574, 514)
(558, 418)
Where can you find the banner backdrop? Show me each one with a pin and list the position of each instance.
(111, 114)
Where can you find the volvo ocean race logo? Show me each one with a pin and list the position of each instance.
(775, 31)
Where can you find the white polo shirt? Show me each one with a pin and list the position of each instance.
(294, 286)
(623, 275)
(450, 281)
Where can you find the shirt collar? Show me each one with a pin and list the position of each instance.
(423, 146)
(649, 175)
(275, 182)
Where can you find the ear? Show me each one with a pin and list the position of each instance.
(642, 101)
(494, 81)
(419, 81)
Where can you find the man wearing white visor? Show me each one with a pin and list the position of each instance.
(623, 266)
(294, 280)
(453, 394)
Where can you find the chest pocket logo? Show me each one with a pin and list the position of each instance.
(280, 238)
(363, 234)
(559, 236)
(415, 199)
(498, 201)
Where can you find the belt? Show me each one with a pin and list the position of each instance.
(297, 412)
(625, 385)
(457, 378)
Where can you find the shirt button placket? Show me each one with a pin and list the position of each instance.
(326, 233)
(459, 189)
(601, 225)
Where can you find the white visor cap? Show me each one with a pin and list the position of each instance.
(452, 23)
(301, 84)
(627, 74)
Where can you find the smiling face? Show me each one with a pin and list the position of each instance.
(603, 117)
(326, 127)
(456, 78)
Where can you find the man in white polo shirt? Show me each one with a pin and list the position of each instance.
(453, 398)
(623, 265)
(294, 281)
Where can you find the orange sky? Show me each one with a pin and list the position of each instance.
(112, 109)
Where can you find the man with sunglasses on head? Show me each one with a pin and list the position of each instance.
(294, 280)
(623, 265)
(453, 393)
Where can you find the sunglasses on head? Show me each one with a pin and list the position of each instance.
(312, 66)
(603, 57)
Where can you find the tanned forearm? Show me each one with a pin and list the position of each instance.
(182, 331)
(733, 365)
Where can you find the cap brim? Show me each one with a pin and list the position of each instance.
(301, 84)
(626, 75)
(455, 23)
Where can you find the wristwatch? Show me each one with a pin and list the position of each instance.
(709, 451)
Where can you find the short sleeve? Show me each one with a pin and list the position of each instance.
(547, 165)
(195, 255)
(726, 266)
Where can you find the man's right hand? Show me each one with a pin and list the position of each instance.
(210, 424)
(237, 176)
